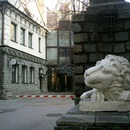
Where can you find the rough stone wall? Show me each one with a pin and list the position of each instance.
(92, 40)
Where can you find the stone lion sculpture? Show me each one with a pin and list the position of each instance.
(109, 78)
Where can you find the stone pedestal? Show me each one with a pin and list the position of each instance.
(79, 120)
(118, 106)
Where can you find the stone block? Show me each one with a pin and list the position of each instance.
(77, 120)
(90, 47)
(89, 27)
(117, 128)
(79, 79)
(89, 106)
(79, 59)
(78, 70)
(79, 38)
(74, 119)
(107, 38)
(128, 46)
(119, 26)
(124, 14)
(127, 25)
(119, 48)
(77, 48)
(95, 37)
(100, 28)
(93, 57)
(91, 17)
(112, 119)
(106, 1)
(122, 36)
(78, 17)
(126, 55)
(76, 27)
(105, 48)
(96, 128)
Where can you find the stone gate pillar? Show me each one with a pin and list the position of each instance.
(103, 29)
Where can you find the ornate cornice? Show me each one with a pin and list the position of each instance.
(3, 9)
(22, 55)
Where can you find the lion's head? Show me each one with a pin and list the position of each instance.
(109, 76)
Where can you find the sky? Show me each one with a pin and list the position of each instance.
(52, 3)
(127, 0)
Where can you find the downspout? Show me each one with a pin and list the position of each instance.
(46, 35)
(2, 10)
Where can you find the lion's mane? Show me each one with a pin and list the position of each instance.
(120, 69)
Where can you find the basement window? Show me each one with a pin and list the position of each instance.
(108, 19)
(15, 73)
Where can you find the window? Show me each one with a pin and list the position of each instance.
(32, 74)
(39, 44)
(13, 32)
(22, 36)
(64, 52)
(15, 73)
(30, 40)
(24, 74)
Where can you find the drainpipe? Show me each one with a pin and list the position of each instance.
(2, 10)
(46, 38)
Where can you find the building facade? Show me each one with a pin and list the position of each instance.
(59, 50)
(22, 52)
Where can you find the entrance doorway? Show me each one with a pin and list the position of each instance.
(60, 81)
(65, 83)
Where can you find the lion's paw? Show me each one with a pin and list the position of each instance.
(97, 96)
(86, 95)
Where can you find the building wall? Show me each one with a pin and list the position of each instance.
(29, 26)
(20, 87)
(93, 39)
(21, 55)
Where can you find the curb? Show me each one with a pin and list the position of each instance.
(45, 96)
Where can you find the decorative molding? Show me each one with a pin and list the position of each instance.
(22, 55)
(3, 9)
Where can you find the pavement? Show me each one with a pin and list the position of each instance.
(33, 113)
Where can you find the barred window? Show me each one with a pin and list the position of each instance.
(32, 75)
(15, 73)
(24, 74)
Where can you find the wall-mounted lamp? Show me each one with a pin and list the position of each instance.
(41, 74)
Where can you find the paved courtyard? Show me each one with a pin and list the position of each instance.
(32, 113)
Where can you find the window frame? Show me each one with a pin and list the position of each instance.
(13, 32)
(15, 73)
(39, 45)
(30, 39)
(64, 52)
(22, 37)
(24, 74)
(32, 75)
